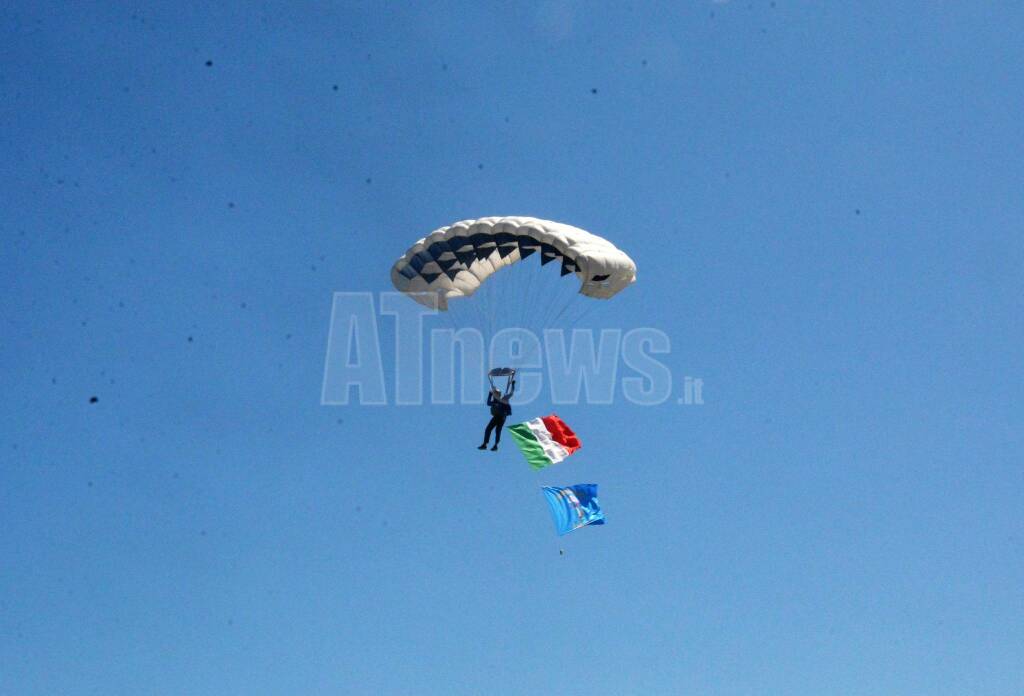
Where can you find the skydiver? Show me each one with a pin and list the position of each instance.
(500, 410)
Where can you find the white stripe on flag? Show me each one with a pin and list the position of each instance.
(552, 450)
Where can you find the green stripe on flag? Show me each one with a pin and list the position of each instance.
(531, 449)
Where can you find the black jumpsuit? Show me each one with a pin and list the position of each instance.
(500, 410)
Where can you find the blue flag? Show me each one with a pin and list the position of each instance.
(573, 507)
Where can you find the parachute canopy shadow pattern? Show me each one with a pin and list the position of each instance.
(454, 261)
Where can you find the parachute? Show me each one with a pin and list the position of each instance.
(454, 261)
(457, 262)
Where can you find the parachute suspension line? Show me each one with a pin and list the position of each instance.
(568, 303)
(485, 313)
(560, 297)
(528, 299)
(492, 316)
(539, 295)
(516, 296)
(580, 316)
(496, 304)
(546, 293)
(483, 308)
(552, 293)
(532, 288)
(518, 293)
(473, 310)
(556, 295)
(509, 298)
(535, 305)
(501, 311)
(515, 292)
(482, 305)
(492, 301)
(523, 299)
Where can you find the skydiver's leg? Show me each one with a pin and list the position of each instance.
(487, 431)
(497, 433)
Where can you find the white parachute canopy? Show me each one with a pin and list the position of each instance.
(454, 261)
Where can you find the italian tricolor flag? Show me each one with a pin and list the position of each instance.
(545, 441)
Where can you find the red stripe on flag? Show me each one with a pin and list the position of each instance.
(561, 433)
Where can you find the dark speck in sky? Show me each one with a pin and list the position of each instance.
(93, 399)
(369, 180)
(334, 87)
(857, 211)
(209, 63)
(244, 305)
(189, 339)
(593, 90)
(479, 166)
(231, 204)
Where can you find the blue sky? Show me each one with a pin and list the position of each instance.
(824, 202)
